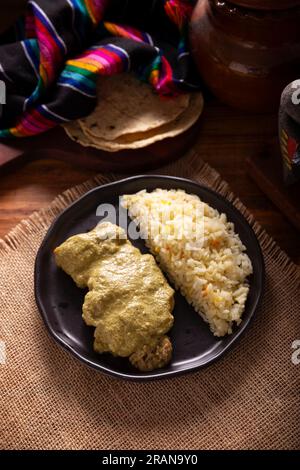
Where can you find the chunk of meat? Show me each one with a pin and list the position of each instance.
(151, 357)
(129, 301)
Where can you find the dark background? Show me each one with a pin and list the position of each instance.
(226, 139)
(9, 11)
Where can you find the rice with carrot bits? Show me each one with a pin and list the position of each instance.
(199, 251)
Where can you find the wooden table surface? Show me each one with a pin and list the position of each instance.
(225, 139)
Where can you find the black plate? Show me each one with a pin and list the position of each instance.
(60, 301)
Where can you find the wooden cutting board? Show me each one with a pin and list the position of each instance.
(55, 144)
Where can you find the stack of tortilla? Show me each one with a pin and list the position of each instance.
(131, 115)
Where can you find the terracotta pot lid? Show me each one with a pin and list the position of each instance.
(267, 4)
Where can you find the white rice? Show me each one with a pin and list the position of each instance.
(199, 251)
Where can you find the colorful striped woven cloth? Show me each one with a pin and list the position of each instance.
(50, 60)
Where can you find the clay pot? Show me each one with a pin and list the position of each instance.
(247, 55)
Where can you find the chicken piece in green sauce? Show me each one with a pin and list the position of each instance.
(129, 301)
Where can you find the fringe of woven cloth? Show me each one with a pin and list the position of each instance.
(43, 218)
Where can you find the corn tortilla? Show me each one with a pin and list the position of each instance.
(127, 105)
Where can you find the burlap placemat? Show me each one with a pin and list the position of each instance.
(247, 400)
